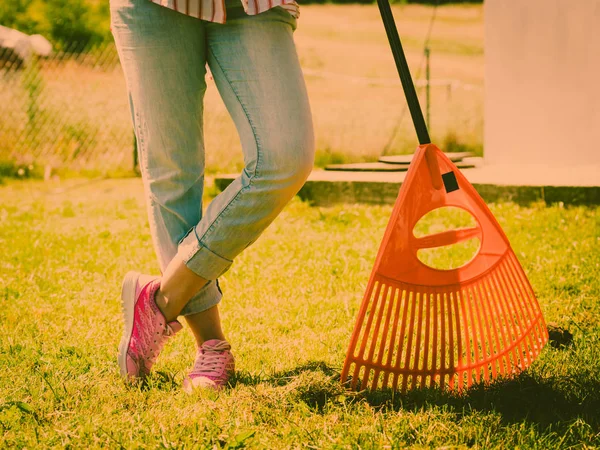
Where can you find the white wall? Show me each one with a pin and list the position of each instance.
(542, 75)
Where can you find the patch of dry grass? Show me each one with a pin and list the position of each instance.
(358, 104)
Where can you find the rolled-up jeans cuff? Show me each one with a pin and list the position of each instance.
(200, 259)
(209, 296)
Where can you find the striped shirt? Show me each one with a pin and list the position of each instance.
(215, 11)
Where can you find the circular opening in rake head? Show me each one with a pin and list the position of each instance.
(452, 256)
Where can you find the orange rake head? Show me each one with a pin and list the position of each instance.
(419, 326)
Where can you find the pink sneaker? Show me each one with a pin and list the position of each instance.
(146, 330)
(213, 367)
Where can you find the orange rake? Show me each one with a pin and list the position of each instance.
(419, 326)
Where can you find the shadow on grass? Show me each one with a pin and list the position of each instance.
(531, 398)
(554, 401)
(282, 378)
(159, 380)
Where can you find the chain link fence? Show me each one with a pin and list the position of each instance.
(67, 111)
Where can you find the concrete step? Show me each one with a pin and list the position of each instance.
(517, 183)
(381, 167)
(406, 159)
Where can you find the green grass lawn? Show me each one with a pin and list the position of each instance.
(289, 308)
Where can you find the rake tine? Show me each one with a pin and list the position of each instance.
(435, 346)
(367, 330)
(398, 303)
(411, 326)
(389, 302)
(406, 305)
(501, 338)
(486, 337)
(458, 342)
(507, 303)
(426, 342)
(417, 347)
(513, 298)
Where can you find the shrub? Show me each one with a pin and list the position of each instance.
(68, 24)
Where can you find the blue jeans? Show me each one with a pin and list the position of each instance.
(255, 66)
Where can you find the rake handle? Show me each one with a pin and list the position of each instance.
(446, 238)
(404, 72)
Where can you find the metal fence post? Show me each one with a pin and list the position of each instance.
(136, 165)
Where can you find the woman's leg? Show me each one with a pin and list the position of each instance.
(255, 66)
(163, 56)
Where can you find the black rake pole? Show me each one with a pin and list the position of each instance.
(404, 72)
